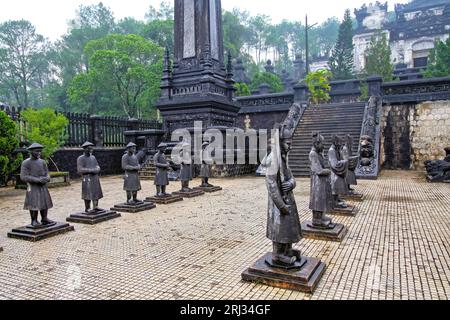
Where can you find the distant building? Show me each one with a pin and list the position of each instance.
(411, 30)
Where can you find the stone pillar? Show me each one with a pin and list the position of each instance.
(264, 88)
(97, 131)
(374, 83)
(301, 93)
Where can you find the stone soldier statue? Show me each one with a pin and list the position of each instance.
(162, 168)
(186, 168)
(321, 197)
(88, 167)
(283, 223)
(131, 166)
(339, 168)
(347, 151)
(34, 172)
(205, 170)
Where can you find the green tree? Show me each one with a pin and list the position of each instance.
(271, 79)
(23, 62)
(128, 68)
(9, 162)
(378, 57)
(341, 61)
(439, 64)
(46, 127)
(164, 12)
(319, 88)
(242, 89)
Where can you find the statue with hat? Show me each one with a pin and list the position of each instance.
(206, 172)
(91, 190)
(132, 183)
(351, 180)
(162, 178)
(131, 166)
(88, 167)
(321, 198)
(284, 267)
(34, 172)
(339, 169)
(186, 174)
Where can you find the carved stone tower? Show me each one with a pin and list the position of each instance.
(199, 87)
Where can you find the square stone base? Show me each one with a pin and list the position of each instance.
(164, 200)
(336, 234)
(34, 235)
(190, 194)
(209, 189)
(134, 208)
(92, 219)
(306, 279)
(350, 211)
(354, 197)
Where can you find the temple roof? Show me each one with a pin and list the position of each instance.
(415, 5)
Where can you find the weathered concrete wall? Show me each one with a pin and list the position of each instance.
(412, 134)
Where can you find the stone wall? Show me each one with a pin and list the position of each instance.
(109, 160)
(414, 133)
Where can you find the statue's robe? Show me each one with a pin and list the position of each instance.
(321, 198)
(351, 175)
(130, 164)
(339, 168)
(205, 169)
(282, 228)
(162, 168)
(91, 188)
(37, 197)
(186, 171)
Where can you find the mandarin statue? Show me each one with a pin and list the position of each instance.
(131, 166)
(339, 168)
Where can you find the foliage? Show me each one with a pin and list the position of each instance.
(364, 88)
(23, 61)
(439, 64)
(127, 68)
(318, 83)
(271, 79)
(8, 143)
(341, 61)
(46, 127)
(378, 58)
(242, 89)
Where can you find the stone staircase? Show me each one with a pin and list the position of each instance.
(329, 119)
(148, 170)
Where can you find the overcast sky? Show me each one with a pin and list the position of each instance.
(50, 16)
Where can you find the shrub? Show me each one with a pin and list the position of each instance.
(9, 162)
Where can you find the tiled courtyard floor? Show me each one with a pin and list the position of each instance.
(397, 246)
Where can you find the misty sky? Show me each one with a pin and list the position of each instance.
(50, 16)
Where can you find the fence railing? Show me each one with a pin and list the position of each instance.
(103, 131)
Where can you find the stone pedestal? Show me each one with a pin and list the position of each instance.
(93, 217)
(336, 234)
(354, 197)
(304, 277)
(134, 208)
(208, 189)
(171, 198)
(350, 211)
(190, 194)
(34, 235)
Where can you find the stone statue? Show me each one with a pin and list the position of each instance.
(347, 151)
(34, 172)
(321, 197)
(283, 223)
(186, 169)
(131, 166)
(439, 170)
(205, 170)
(339, 168)
(88, 167)
(162, 169)
(367, 151)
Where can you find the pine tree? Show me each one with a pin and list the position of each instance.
(378, 58)
(341, 61)
(439, 64)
